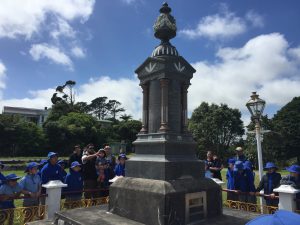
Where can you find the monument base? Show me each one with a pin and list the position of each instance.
(158, 202)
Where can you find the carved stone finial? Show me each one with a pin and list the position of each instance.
(165, 25)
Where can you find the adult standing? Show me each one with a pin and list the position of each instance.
(89, 173)
(240, 155)
(76, 155)
(215, 166)
(111, 160)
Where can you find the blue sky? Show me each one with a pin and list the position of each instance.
(236, 47)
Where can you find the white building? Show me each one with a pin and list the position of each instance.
(37, 116)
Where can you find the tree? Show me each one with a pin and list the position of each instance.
(126, 117)
(99, 108)
(114, 108)
(215, 127)
(286, 123)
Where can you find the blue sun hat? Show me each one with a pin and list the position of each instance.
(62, 162)
(74, 164)
(122, 156)
(248, 165)
(280, 217)
(293, 169)
(11, 176)
(30, 166)
(51, 154)
(270, 165)
(238, 165)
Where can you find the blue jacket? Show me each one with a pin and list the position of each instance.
(120, 170)
(74, 181)
(51, 172)
(2, 179)
(230, 179)
(240, 158)
(244, 181)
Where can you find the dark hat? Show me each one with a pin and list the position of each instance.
(74, 164)
(280, 217)
(293, 169)
(238, 165)
(123, 156)
(1, 165)
(12, 176)
(270, 165)
(51, 154)
(30, 166)
(232, 161)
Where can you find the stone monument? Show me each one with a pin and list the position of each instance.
(165, 181)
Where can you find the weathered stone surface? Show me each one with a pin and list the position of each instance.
(158, 202)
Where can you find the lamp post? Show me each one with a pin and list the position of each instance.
(256, 107)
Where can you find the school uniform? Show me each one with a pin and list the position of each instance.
(5, 189)
(75, 183)
(51, 172)
(230, 185)
(31, 183)
(120, 170)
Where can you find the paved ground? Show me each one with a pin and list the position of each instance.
(99, 215)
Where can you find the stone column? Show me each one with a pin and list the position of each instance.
(184, 119)
(145, 88)
(287, 195)
(164, 86)
(53, 190)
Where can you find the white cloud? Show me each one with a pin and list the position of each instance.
(40, 51)
(262, 64)
(129, 1)
(62, 28)
(255, 19)
(78, 52)
(27, 17)
(224, 24)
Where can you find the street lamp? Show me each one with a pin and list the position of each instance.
(256, 107)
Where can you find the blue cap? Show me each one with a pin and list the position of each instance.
(123, 156)
(43, 162)
(248, 165)
(293, 169)
(60, 162)
(51, 154)
(280, 217)
(30, 166)
(232, 161)
(270, 165)
(74, 164)
(238, 165)
(1, 165)
(12, 176)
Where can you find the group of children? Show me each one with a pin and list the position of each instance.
(51, 169)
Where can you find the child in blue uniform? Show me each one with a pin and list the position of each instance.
(230, 180)
(74, 182)
(31, 183)
(243, 181)
(120, 167)
(270, 181)
(2, 177)
(51, 171)
(293, 179)
(63, 165)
